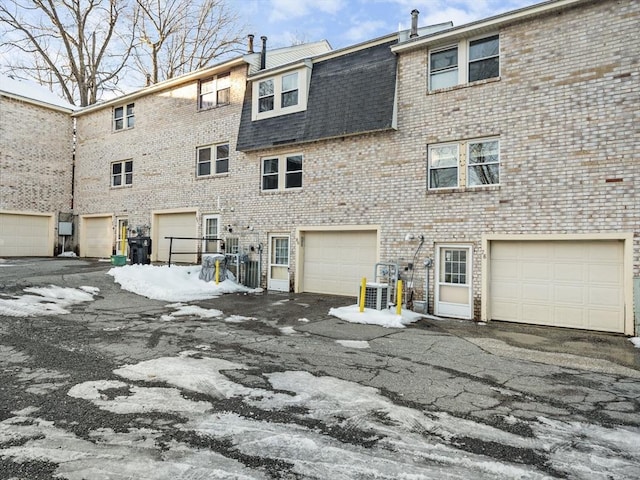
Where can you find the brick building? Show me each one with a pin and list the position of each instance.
(36, 169)
(493, 164)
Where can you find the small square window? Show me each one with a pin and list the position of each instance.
(122, 173)
(282, 173)
(216, 158)
(124, 117)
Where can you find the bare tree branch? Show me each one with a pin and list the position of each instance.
(80, 46)
(179, 36)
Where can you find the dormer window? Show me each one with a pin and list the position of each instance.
(280, 94)
(265, 101)
(289, 90)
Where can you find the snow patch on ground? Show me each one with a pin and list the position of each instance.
(49, 300)
(353, 343)
(635, 341)
(385, 318)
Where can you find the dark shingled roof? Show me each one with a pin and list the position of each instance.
(349, 94)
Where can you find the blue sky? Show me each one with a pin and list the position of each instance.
(347, 22)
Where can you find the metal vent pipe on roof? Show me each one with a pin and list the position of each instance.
(414, 23)
(263, 54)
(250, 46)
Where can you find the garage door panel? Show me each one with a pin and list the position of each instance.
(334, 262)
(25, 235)
(176, 225)
(535, 271)
(97, 239)
(571, 283)
(568, 294)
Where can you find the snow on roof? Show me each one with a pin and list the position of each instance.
(32, 92)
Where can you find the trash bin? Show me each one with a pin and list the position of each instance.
(140, 250)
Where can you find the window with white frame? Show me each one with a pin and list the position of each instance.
(122, 173)
(469, 163)
(124, 117)
(483, 162)
(280, 94)
(443, 166)
(213, 160)
(465, 62)
(282, 173)
(214, 91)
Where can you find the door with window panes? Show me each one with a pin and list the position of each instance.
(210, 234)
(453, 296)
(278, 278)
(122, 234)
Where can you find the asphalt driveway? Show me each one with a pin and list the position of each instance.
(271, 386)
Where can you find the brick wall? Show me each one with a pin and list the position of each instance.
(564, 109)
(36, 148)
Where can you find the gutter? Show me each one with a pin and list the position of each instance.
(491, 23)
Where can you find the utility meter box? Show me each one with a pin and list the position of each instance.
(65, 229)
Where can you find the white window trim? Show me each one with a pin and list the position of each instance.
(468, 165)
(304, 77)
(125, 117)
(214, 92)
(463, 164)
(432, 147)
(282, 172)
(122, 174)
(463, 60)
(212, 160)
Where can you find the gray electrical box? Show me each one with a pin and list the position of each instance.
(65, 228)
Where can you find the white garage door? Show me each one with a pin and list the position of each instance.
(335, 261)
(576, 284)
(175, 225)
(25, 235)
(97, 240)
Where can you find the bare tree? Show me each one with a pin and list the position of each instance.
(179, 36)
(82, 46)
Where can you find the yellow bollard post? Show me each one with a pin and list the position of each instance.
(363, 291)
(399, 299)
(122, 239)
(217, 271)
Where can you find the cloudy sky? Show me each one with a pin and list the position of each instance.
(347, 22)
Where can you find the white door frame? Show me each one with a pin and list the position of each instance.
(205, 233)
(449, 309)
(278, 284)
(120, 221)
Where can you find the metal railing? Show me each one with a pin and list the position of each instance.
(198, 252)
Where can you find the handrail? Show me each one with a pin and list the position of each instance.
(171, 239)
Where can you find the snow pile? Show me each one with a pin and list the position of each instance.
(385, 318)
(635, 341)
(172, 284)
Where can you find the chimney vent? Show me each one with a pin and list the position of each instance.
(414, 23)
(263, 54)
(250, 47)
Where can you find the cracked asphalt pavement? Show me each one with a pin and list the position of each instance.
(120, 389)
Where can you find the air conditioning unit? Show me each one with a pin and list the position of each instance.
(376, 296)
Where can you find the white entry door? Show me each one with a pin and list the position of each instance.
(278, 263)
(453, 286)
